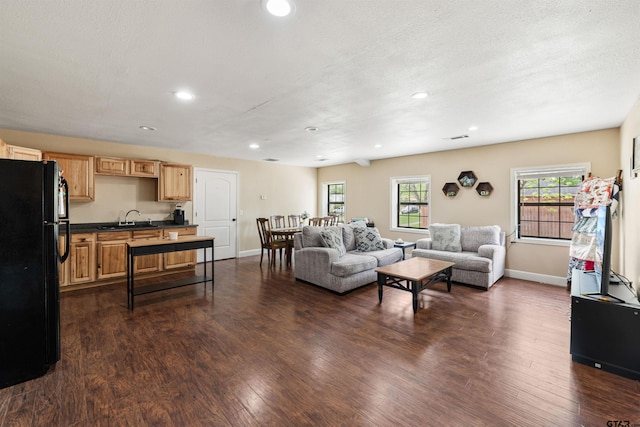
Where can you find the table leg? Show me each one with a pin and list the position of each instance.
(381, 280)
(448, 272)
(414, 291)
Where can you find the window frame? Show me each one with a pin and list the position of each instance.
(540, 172)
(325, 198)
(394, 205)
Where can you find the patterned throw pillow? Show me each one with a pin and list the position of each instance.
(333, 240)
(445, 237)
(368, 239)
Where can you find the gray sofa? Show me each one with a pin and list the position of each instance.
(477, 251)
(326, 267)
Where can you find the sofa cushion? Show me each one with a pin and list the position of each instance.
(331, 239)
(368, 239)
(445, 237)
(348, 238)
(386, 257)
(472, 237)
(351, 264)
(311, 237)
(462, 260)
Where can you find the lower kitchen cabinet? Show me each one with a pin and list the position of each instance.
(82, 258)
(147, 263)
(182, 258)
(112, 254)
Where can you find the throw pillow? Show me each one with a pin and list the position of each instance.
(331, 239)
(445, 237)
(368, 239)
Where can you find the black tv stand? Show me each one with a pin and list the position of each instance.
(605, 334)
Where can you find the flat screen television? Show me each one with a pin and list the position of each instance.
(602, 261)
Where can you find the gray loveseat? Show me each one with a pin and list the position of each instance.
(477, 251)
(324, 266)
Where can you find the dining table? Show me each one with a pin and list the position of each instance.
(287, 233)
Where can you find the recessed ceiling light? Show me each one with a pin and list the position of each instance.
(319, 156)
(254, 146)
(419, 95)
(377, 146)
(185, 96)
(279, 8)
(311, 129)
(147, 128)
(472, 128)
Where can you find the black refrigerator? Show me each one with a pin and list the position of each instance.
(33, 205)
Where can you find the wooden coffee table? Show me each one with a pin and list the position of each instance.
(414, 275)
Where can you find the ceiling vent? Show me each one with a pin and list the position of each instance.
(271, 160)
(453, 138)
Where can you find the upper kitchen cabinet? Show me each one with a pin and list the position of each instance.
(24, 153)
(148, 168)
(78, 171)
(112, 166)
(175, 183)
(14, 152)
(126, 167)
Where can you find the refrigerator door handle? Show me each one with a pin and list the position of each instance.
(67, 238)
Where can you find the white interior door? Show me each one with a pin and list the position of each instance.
(214, 210)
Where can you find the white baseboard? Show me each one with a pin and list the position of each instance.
(250, 252)
(535, 277)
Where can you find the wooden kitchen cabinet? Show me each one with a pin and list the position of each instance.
(63, 270)
(112, 254)
(82, 258)
(147, 263)
(4, 150)
(78, 170)
(112, 166)
(182, 258)
(175, 183)
(127, 167)
(24, 153)
(144, 168)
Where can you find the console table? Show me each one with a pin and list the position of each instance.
(159, 246)
(605, 334)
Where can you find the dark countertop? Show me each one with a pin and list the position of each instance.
(95, 227)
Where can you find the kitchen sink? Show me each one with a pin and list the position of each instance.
(127, 226)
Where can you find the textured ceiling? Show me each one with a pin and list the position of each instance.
(100, 69)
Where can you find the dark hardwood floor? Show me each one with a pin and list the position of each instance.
(267, 350)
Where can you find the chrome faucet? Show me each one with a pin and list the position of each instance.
(126, 221)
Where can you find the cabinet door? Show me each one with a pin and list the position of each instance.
(4, 150)
(63, 271)
(183, 258)
(112, 254)
(78, 171)
(82, 258)
(144, 168)
(112, 166)
(24, 153)
(147, 263)
(175, 183)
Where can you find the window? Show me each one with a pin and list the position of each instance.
(334, 200)
(410, 203)
(544, 199)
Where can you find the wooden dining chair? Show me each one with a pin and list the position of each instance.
(330, 220)
(295, 221)
(269, 243)
(277, 221)
(316, 221)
